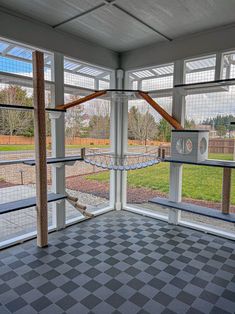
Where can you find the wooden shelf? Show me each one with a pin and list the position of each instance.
(214, 83)
(208, 162)
(194, 209)
(28, 202)
(27, 108)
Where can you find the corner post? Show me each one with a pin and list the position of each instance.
(40, 148)
(58, 143)
(176, 170)
(118, 135)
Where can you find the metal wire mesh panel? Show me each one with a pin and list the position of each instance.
(17, 134)
(152, 79)
(87, 125)
(200, 69)
(89, 184)
(214, 112)
(17, 182)
(86, 76)
(17, 59)
(150, 182)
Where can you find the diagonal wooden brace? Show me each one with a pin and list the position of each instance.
(161, 111)
(81, 100)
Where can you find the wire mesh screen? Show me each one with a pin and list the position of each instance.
(86, 76)
(89, 184)
(145, 124)
(147, 131)
(87, 125)
(17, 134)
(152, 79)
(104, 84)
(15, 91)
(18, 182)
(214, 111)
(17, 59)
(200, 69)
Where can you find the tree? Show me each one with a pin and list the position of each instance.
(15, 122)
(74, 119)
(189, 124)
(221, 124)
(164, 131)
(142, 126)
(99, 126)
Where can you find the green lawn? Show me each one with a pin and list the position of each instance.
(204, 183)
(8, 148)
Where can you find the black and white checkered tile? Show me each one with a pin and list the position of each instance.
(120, 263)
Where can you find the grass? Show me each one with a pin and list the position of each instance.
(199, 182)
(10, 148)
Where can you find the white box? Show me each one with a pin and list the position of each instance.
(189, 145)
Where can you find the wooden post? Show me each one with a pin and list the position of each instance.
(83, 152)
(40, 149)
(226, 190)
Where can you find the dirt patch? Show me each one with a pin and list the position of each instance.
(4, 184)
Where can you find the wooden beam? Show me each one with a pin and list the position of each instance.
(227, 174)
(161, 111)
(83, 152)
(81, 100)
(40, 149)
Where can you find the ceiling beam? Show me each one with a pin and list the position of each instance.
(29, 32)
(80, 15)
(187, 47)
(141, 21)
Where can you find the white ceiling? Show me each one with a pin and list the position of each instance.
(127, 24)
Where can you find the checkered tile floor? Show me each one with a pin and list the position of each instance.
(120, 263)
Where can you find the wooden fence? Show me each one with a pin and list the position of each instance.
(218, 146)
(22, 140)
(221, 146)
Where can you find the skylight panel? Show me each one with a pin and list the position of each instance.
(90, 71)
(143, 73)
(69, 65)
(21, 53)
(3, 46)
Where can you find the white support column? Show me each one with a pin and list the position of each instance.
(58, 142)
(118, 135)
(178, 112)
(125, 140)
(112, 143)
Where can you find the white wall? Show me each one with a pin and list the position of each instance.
(194, 45)
(45, 37)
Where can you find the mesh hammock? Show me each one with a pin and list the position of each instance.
(129, 161)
